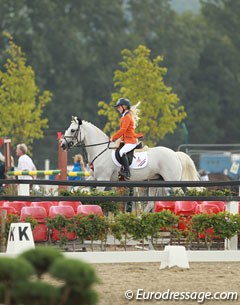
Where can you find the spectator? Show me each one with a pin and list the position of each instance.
(25, 163)
(78, 166)
(3, 175)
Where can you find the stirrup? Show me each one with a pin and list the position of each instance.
(124, 174)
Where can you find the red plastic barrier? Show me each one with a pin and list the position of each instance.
(40, 232)
(86, 209)
(66, 211)
(164, 205)
(73, 204)
(17, 205)
(44, 204)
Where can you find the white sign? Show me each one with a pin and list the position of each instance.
(20, 238)
(234, 168)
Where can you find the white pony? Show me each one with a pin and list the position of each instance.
(162, 163)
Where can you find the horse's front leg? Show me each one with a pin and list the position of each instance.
(150, 204)
(85, 188)
(101, 178)
(153, 191)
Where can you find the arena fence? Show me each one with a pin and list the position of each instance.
(128, 184)
(232, 201)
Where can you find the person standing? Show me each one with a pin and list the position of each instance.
(25, 163)
(128, 123)
(77, 167)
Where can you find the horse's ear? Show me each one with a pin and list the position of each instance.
(79, 121)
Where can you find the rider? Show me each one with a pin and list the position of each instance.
(127, 133)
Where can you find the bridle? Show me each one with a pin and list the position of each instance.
(79, 143)
(71, 139)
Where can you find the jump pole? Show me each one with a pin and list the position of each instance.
(46, 173)
(7, 155)
(62, 162)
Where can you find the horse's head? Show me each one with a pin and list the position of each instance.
(72, 135)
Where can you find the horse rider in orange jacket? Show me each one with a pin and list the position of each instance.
(126, 133)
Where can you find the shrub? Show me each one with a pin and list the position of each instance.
(41, 258)
(18, 284)
(13, 270)
(226, 225)
(10, 218)
(221, 225)
(92, 226)
(36, 293)
(127, 224)
(61, 224)
(78, 278)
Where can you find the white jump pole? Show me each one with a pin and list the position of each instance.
(232, 243)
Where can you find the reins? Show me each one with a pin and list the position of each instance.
(103, 151)
(79, 144)
(91, 163)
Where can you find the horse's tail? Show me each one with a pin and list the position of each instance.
(189, 171)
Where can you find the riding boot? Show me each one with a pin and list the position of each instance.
(125, 172)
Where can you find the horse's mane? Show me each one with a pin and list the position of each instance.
(94, 126)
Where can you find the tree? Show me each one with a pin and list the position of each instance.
(21, 106)
(141, 79)
(215, 84)
(74, 47)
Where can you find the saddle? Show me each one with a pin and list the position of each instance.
(130, 154)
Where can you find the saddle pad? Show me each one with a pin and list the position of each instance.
(140, 160)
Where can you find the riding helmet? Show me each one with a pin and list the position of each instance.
(123, 102)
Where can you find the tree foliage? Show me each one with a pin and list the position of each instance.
(75, 46)
(21, 106)
(41, 258)
(141, 79)
(218, 72)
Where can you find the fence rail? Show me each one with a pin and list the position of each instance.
(119, 198)
(150, 183)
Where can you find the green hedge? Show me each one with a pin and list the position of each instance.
(125, 227)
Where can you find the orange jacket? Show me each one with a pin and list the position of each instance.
(127, 131)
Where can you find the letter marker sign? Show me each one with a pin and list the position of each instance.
(20, 238)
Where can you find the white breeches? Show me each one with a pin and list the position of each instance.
(126, 148)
